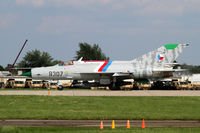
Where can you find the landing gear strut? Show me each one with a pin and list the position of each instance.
(114, 85)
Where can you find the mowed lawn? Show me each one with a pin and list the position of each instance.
(69, 107)
(95, 130)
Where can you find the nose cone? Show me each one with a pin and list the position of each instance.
(40, 73)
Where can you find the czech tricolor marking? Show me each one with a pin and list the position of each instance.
(160, 57)
(105, 66)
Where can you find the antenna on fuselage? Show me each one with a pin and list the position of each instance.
(80, 59)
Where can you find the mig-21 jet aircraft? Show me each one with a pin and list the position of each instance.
(153, 65)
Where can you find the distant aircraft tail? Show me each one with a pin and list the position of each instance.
(166, 54)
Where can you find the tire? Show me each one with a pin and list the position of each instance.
(60, 87)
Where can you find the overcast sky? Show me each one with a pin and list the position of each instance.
(124, 29)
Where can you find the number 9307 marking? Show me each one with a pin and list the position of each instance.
(55, 73)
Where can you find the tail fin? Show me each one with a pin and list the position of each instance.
(164, 55)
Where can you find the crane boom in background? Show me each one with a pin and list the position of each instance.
(18, 56)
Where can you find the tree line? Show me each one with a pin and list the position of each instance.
(36, 58)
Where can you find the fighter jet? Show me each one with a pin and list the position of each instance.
(153, 65)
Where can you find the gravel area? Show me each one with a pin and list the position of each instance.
(96, 123)
(105, 93)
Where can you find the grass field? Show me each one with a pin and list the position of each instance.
(96, 130)
(62, 107)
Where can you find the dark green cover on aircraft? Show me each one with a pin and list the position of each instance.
(26, 74)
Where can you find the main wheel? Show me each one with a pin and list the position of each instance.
(60, 87)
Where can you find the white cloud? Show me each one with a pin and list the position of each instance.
(56, 24)
(163, 22)
(141, 7)
(162, 8)
(7, 20)
(62, 24)
(166, 7)
(36, 3)
(78, 3)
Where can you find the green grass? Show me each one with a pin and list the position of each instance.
(69, 107)
(95, 130)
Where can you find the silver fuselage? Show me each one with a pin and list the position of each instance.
(96, 70)
(155, 64)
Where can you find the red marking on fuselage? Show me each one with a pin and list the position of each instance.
(161, 58)
(104, 64)
(94, 61)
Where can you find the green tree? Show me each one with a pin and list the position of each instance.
(89, 52)
(35, 58)
(193, 69)
(7, 68)
(1, 68)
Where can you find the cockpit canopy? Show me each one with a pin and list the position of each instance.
(66, 63)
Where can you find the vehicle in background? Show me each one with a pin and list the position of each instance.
(187, 82)
(195, 86)
(100, 88)
(8, 83)
(36, 84)
(28, 83)
(1, 84)
(195, 81)
(144, 86)
(15, 83)
(54, 85)
(183, 85)
(51, 85)
(64, 83)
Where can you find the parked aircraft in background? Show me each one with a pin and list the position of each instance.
(154, 65)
